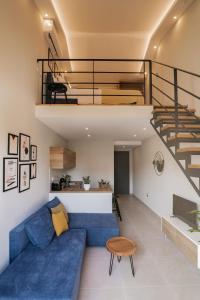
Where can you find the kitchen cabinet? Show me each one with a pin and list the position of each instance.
(62, 158)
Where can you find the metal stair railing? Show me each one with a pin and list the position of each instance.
(179, 120)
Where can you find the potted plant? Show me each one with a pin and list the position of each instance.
(103, 184)
(67, 179)
(197, 213)
(86, 183)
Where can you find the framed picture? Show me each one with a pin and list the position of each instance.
(10, 173)
(24, 177)
(33, 152)
(33, 170)
(24, 147)
(12, 144)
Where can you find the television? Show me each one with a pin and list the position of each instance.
(182, 208)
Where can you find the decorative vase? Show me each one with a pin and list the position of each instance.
(86, 186)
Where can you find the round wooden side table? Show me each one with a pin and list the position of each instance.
(121, 246)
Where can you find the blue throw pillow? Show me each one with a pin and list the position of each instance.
(40, 229)
(53, 203)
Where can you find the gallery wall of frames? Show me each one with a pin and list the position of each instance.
(20, 166)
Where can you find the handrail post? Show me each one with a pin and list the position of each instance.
(42, 87)
(93, 79)
(144, 78)
(150, 82)
(176, 103)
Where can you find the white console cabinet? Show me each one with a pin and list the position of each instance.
(187, 242)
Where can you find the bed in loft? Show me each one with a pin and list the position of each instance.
(125, 97)
(84, 96)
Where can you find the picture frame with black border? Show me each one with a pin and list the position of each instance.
(10, 173)
(13, 144)
(33, 153)
(33, 170)
(24, 177)
(24, 147)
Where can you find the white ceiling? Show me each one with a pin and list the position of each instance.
(110, 28)
(178, 9)
(116, 123)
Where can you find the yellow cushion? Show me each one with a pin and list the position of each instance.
(58, 208)
(59, 222)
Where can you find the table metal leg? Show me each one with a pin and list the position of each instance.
(132, 266)
(111, 263)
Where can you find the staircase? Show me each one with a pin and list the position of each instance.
(179, 129)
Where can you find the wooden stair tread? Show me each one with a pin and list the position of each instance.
(189, 149)
(184, 136)
(193, 166)
(166, 110)
(173, 118)
(187, 126)
(170, 106)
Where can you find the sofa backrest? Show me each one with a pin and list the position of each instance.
(18, 239)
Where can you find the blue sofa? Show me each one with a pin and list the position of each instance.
(53, 272)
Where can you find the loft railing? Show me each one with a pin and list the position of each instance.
(126, 81)
(159, 83)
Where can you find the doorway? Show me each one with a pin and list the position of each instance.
(121, 172)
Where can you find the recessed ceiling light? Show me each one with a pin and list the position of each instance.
(86, 128)
(89, 135)
(175, 17)
(155, 46)
(144, 128)
(135, 135)
(46, 15)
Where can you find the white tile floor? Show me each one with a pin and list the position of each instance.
(161, 271)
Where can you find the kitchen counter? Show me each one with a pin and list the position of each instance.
(78, 190)
(78, 200)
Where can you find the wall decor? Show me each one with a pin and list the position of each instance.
(10, 173)
(24, 147)
(12, 144)
(158, 163)
(24, 177)
(33, 152)
(33, 170)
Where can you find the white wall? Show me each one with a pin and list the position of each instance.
(93, 158)
(180, 48)
(22, 42)
(159, 189)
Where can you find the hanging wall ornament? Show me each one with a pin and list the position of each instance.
(158, 163)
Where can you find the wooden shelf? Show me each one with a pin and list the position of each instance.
(77, 190)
